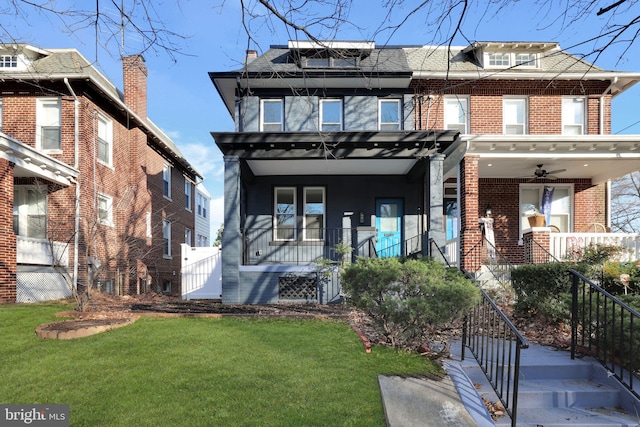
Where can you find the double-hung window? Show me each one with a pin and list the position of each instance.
(271, 113)
(187, 194)
(8, 61)
(285, 213)
(202, 205)
(456, 113)
(105, 209)
(166, 181)
(314, 213)
(554, 201)
(166, 237)
(330, 115)
(48, 124)
(30, 211)
(389, 117)
(573, 115)
(514, 116)
(105, 140)
(187, 236)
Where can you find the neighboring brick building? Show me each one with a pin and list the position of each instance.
(68, 134)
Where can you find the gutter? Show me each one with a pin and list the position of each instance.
(76, 161)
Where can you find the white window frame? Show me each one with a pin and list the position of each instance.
(521, 123)
(569, 115)
(463, 102)
(8, 61)
(188, 189)
(504, 60)
(289, 212)
(43, 121)
(149, 233)
(166, 180)
(386, 125)
(275, 126)
(188, 236)
(105, 137)
(561, 215)
(166, 238)
(202, 206)
(306, 235)
(24, 217)
(107, 219)
(521, 62)
(331, 126)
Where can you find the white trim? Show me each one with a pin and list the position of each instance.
(109, 209)
(262, 110)
(525, 113)
(41, 122)
(275, 213)
(464, 101)
(564, 113)
(328, 101)
(304, 215)
(396, 101)
(167, 171)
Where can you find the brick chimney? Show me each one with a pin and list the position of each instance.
(251, 55)
(135, 84)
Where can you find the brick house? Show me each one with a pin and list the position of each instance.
(98, 193)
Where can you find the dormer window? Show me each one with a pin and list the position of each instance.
(510, 59)
(330, 62)
(8, 61)
(330, 54)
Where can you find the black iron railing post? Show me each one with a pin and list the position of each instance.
(574, 316)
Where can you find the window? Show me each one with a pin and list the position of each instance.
(510, 59)
(285, 213)
(456, 114)
(502, 60)
(202, 206)
(314, 213)
(8, 61)
(148, 221)
(557, 199)
(48, 124)
(389, 114)
(166, 236)
(573, 116)
(105, 209)
(187, 236)
(271, 119)
(514, 116)
(166, 181)
(187, 194)
(0, 114)
(166, 286)
(105, 139)
(526, 59)
(330, 115)
(331, 62)
(30, 211)
(203, 240)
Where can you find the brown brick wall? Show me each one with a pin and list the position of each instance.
(7, 237)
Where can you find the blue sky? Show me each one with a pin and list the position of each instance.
(184, 103)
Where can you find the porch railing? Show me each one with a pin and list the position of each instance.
(39, 252)
(605, 328)
(495, 343)
(563, 245)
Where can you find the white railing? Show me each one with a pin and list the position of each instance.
(38, 252)
(451, 251)
(562, 245)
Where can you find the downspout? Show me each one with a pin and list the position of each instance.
(76, 161)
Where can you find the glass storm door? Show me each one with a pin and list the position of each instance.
(389, 227)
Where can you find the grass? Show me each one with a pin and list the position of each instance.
(200, 371)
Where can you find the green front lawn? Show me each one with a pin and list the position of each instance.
(199, 371)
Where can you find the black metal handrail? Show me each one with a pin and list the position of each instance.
(495, 343)
(497, 263)
(538, 254)
(605, 328)
(432, 244)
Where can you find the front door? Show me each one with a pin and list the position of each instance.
(389, 227)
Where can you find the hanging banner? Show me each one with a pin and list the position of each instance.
(547, 198)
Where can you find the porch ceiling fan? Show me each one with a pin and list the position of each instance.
(540, 173)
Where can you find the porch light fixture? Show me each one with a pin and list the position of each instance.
(487, 210)
(361, 218)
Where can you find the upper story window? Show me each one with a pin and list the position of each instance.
(105, 140)
(30, 211)
(456, 113)
(187, 236)
(330, 115)
(8, 61)
(284, 216)
(314, 213)
(48, 124)
(510, 59)
(322, 60)
(271, 113)
(105, 209)
(166, 236)
(573, 116)
(187, 194)
(166, 181)
(202, 206)
(514, 116)
(0, 114)
(389, 114)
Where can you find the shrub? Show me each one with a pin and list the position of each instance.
(406, 299)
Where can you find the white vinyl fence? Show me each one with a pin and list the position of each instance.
(201, 272)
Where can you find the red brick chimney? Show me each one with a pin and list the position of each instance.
(135, 84)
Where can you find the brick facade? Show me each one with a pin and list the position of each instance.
(132, 260)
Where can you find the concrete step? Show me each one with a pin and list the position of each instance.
(566, 393)
(570, 417)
